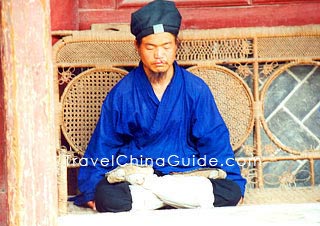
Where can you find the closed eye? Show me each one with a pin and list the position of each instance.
(167, 46)
(150, 47)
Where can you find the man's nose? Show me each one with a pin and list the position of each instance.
(158, 53)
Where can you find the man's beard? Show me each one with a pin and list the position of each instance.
(158, 75)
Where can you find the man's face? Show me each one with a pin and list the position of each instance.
(157, 53)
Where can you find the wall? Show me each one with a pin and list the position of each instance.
(80, 14)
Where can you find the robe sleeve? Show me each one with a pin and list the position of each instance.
(212, 138)
(99, 156)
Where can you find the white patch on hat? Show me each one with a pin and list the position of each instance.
(158, 28)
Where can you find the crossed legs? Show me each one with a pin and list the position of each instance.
(117, 197)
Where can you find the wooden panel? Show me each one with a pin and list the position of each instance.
(97, 4)
(221, 17)
(211, 3)
(273, 15)
(282, 1)
(186, 3)
(64, 15)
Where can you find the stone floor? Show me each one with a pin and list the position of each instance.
(269, 214)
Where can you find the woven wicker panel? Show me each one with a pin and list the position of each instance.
(81, 104)
(199, 50)
(292, 47)
(233, 98)
(282, 195)
(98, 52)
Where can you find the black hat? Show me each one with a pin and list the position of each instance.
(155, 17)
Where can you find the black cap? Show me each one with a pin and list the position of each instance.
(155, 17)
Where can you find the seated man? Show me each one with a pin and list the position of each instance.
(162, 117)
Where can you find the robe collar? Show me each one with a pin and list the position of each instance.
(145, 83)
(169, 100)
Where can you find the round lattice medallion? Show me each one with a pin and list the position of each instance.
(291, 103)
(81, 103)
(233, 98)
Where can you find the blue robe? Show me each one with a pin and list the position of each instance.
(182, 132)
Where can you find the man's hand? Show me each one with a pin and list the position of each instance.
(92, 205)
